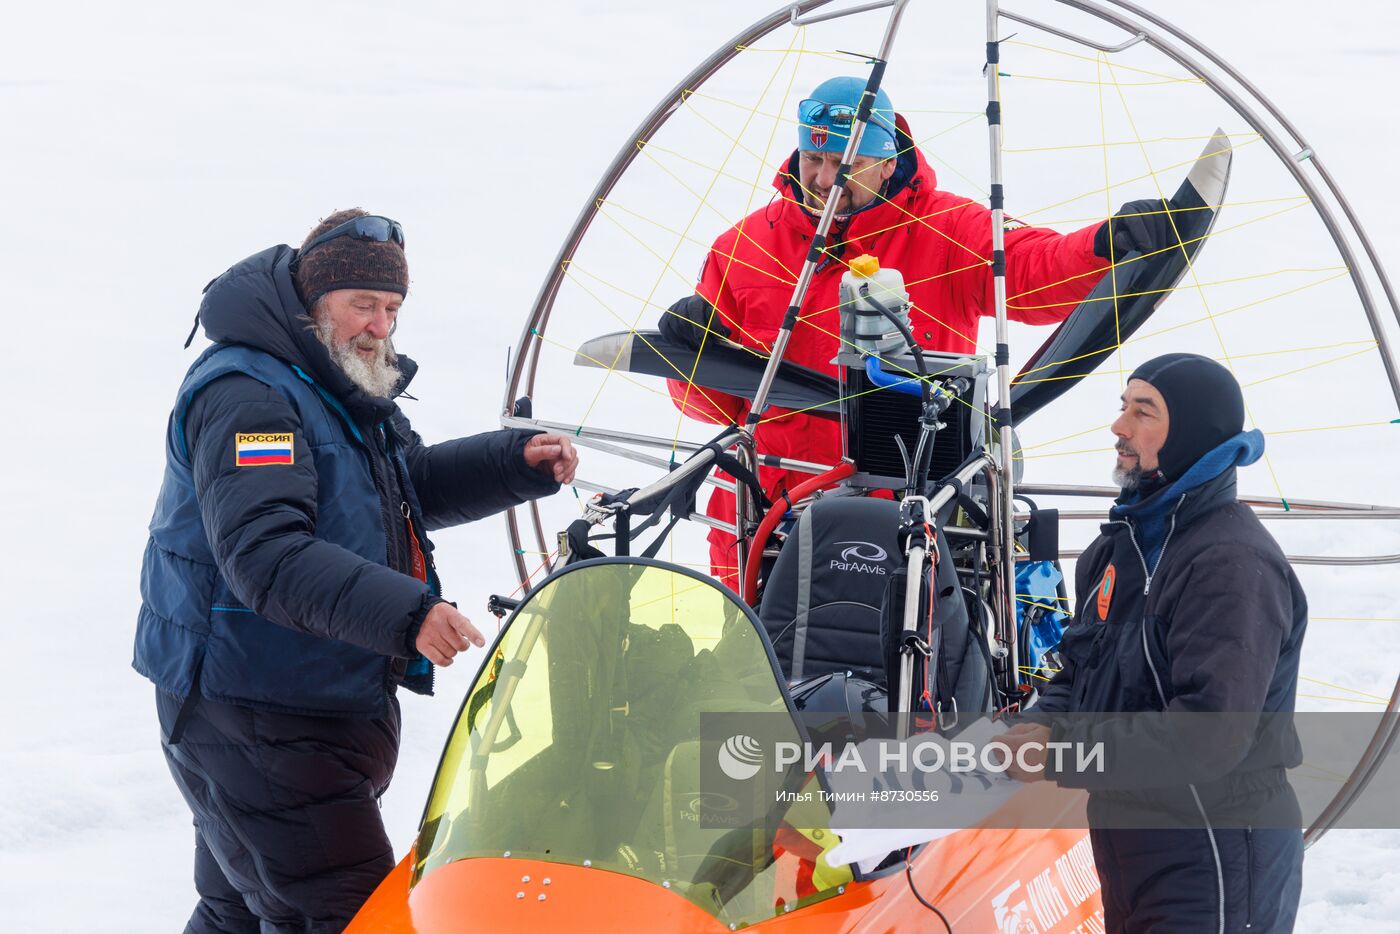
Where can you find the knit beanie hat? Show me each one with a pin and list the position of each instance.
(1204, 407)
(348, 262)
(824, 120)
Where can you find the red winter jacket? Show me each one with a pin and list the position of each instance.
(940, 242)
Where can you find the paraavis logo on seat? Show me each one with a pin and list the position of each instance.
(858, 557)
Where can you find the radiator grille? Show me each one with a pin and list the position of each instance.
(876, 416)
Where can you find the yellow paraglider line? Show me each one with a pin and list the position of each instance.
(703, 202)
(1085, 58)
(1102, 144)
(724, 277)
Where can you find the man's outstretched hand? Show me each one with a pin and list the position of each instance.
(444, 633)
(553, 455)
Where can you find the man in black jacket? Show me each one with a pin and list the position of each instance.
(288, 587)
(1185, 604)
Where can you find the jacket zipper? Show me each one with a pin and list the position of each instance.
(429, 567)
(386, 507)
(1162, 696)
(1249, 877)
(1132, 537)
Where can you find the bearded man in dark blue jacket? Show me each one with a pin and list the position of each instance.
(288, 587)
(1184, 604)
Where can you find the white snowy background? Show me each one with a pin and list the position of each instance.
(146, 146)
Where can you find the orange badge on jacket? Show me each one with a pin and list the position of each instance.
(1106, 592)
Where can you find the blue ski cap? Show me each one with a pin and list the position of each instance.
(824, 120)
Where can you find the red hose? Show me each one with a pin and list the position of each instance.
(775, 515)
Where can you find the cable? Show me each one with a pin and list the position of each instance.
(909, 875)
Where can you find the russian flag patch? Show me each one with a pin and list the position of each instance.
(257, 450)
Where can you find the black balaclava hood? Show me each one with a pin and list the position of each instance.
(1204, 407)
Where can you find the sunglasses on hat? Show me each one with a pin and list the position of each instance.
(812, 111)
(373, 227)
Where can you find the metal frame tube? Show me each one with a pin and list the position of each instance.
(526, 361)
(913, 587)
(604, 434)
(1371, 759)
(1056, 31)
(1299, 505)
(797, 20)
(1280, 149)
(693, 517)
(745, 511)
(1007, 510)
(1350, 561)
(1264, 516)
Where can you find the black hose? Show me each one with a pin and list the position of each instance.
(909, 874)
(923, 453)
(908, 336)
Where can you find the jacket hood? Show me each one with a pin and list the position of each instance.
(912, 172)
(255, 304)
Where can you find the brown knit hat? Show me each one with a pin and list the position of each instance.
(348, 262)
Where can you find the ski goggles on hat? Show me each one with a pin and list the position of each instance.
(819, 119)
(373, 227)
(813, 111)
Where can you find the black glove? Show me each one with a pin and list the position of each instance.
(686, 322)
(1141, 226)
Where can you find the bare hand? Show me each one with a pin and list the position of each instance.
(1026, 734)
(554, 455)
(444, 633)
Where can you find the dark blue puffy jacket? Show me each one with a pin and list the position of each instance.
(287, 586)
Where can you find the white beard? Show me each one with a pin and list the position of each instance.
(1129, 479)
(377, 376)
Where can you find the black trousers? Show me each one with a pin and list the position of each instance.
(1175, 882)
(288, 834)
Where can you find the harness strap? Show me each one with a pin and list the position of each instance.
(970, 506)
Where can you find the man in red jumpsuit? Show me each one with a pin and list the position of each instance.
(891, 208)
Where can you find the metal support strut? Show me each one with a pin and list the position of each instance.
(747, 451)
(1006, 618)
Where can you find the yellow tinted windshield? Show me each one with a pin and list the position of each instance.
(580, 743)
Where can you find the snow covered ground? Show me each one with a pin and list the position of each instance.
(148, 145)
